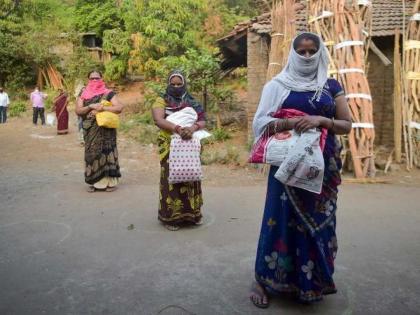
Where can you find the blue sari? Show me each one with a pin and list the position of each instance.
(298, 244)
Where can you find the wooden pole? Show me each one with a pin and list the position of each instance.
(346, 26)
(397, 98)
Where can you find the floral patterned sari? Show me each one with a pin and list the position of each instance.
(298, 243)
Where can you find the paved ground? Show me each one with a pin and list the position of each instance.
(64, 251)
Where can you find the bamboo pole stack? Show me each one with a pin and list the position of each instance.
(411, 79)
(51, 77)
(283, 15)
(398, 98)
(344, 27)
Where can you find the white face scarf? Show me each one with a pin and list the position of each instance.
(301, 74)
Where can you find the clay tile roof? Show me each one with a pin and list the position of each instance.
(387, 16)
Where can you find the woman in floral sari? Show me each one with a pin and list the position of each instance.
(102, 171)
(60, 108)
(179, 203)
(298, 243)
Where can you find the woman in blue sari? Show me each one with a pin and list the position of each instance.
(298, 244)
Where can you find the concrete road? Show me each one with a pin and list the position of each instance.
(64, 251)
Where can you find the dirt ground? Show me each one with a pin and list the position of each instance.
(64, 251)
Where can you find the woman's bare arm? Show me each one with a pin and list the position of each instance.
(116, 106)
(160, 121)
(80, 109)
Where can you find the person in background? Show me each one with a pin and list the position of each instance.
(4, 103)
(60, 108)
(102, 170)
(77, 92)
(37, 100)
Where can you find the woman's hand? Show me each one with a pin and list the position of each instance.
(305, 123)
(186, 133)
(96, 106)
(92, 113)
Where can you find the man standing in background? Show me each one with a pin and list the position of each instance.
(37, 100)
(4, 103)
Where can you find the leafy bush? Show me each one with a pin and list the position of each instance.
(140, 127)
(220, 134)
(145, 118)
(17, 108)
(117, 43)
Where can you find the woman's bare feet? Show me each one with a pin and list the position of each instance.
(258, 296)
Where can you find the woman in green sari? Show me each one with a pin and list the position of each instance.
(179, 203)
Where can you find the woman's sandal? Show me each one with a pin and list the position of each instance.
(258, 296)
(91, 189)
(199, 222)
(172, 227)
(109, 189)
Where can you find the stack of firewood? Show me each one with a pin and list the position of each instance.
(283, 15)
(411, 88)
(345, 27)
(51, 77)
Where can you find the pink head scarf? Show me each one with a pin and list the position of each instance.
(94, 88)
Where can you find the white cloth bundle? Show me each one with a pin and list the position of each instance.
(51, 119)
(186, 117)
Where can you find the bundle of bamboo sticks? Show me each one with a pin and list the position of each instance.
(283, 15)
(411, 88)
(50, 76)
(343, 26)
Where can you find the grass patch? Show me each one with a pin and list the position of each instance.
(219, 135)
(140, 127)
(228, 155)
(17, 108)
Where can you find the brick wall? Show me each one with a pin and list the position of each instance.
(381, 83)
(257, 60)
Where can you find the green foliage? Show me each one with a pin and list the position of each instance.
(167, 27)
(79, 65)
(22, 52)
(142, 132)
(115, 69)
(220, 134)
(227, 155)
(145, 118)
(170, 34)
(49, 100)
(97, 16)
(16, 108)
(117, 43)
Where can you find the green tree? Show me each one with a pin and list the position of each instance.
(97, 16)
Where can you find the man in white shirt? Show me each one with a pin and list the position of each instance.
(4, 103)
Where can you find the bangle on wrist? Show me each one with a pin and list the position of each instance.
(276, 126)
(176, 129)
(332, 124)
